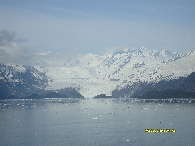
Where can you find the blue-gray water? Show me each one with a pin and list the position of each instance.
(71, 122)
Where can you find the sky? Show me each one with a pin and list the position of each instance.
(95, 26)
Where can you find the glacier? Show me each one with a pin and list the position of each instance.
(93, 74)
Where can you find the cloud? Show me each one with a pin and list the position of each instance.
(152, 10)
(11, 51)
(7, 37)
(64, 30)
(112, 50)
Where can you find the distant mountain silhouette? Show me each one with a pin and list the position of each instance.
(103, 96)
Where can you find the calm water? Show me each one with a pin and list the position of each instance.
(71, 122)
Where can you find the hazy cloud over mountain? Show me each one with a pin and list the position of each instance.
(11, 49)
(7, 37)
(94, 27)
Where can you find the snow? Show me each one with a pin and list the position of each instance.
(21, 69)
(100, 74)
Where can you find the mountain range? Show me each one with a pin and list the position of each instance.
(27, 82)
(125, 73)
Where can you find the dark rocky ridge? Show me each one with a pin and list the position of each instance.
(103, 96)
(18, 82)
(60, 93)
(183, 87)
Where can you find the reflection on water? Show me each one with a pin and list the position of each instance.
(96, 122)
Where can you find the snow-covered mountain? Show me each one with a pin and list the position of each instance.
(101, 74)
(183, 87)
(20, 81)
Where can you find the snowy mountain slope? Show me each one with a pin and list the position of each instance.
(143, 68)
(183, 87)
(20, 74)
(20, 81)
(95, 74)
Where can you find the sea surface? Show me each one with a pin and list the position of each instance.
(96, 122)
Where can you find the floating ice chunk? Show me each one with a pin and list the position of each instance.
(145, 108)
(94, 118)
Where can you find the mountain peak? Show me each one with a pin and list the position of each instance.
(165, 53)
(100, 74)
(125, 49)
